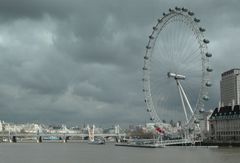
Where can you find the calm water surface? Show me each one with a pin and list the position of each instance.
(86, 153)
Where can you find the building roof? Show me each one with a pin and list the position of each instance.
(232, 71)
(226, 112)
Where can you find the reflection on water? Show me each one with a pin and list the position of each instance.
(85, 153)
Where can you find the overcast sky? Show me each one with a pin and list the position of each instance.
(80, 61)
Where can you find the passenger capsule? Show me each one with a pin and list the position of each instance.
(143, 79)
(159, 20)
(148, 47)
(196, 20)
(190, 13)
(151, 37)
(208, 84)
(209, 55)
(144, 90)
(152, 119)
(170, 10)
(205, 97)
(177, 8)
(149, 110)
(146, 57)
(191, 129)
(184, 9)
(209, 69)
(196, 121)
(145, 68)
(164, 14)
(154, 28)
(202, 29)
(206, 41)
(201, 110)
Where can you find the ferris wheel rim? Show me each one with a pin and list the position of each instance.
(186, 17)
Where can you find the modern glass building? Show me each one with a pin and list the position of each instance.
(230, 88)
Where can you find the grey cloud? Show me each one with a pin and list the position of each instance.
(81, 61)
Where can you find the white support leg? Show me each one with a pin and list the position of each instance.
(182, 93)
(185, 97)
(182, 100)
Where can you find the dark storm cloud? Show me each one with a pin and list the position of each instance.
(14, 9)
(80, 60)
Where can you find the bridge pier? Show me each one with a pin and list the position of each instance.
(65, 139)
(39, 139)
(14, 139)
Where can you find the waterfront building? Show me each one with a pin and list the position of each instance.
(225, 124)
(230, 88)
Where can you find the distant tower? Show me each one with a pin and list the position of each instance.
(91, 133)
(230, 87)
(1, 126)
(117, 131)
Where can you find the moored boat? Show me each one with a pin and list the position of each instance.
(143, 144)
(97, 141)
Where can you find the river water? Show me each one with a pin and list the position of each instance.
(87, 153)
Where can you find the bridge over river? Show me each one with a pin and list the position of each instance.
(60, 137)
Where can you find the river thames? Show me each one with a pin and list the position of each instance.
(86, 153)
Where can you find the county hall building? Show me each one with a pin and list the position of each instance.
(225, 120)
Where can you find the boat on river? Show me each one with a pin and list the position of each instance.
(97, 141)
(142, 143)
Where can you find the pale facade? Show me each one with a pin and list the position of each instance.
(225, 124)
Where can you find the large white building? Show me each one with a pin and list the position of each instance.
(225, 120)
(230, 88)
(225, 124)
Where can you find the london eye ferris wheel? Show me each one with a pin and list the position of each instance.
(176, 71)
